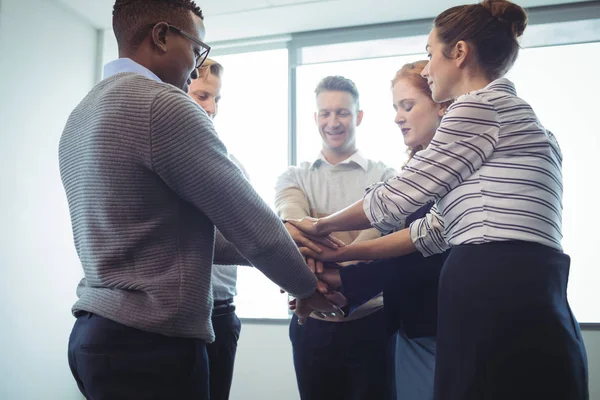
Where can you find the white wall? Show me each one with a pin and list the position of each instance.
(264, 367)
(592, 344)
(47, 58)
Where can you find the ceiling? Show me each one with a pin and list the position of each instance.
(239, 19)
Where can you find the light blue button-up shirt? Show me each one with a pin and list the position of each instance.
(128, 65)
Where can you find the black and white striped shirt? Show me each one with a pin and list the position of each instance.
(493, 169)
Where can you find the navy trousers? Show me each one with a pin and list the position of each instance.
(505, 329)
(221, 354)
(341, 360)
(111, 361)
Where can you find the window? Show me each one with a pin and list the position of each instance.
(555, 73)
(253, 123)
(561, 88)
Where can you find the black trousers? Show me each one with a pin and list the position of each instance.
(221, 354)
(505, 329)
(111, 361)
(341, 360)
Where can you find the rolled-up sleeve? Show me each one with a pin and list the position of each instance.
(427, 233)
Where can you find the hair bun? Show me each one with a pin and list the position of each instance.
(509, 13)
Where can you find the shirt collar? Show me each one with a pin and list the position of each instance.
(128, 65)
(357, 158)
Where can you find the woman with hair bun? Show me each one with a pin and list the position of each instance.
(505, 328)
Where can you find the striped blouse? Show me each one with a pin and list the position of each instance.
(493, 170)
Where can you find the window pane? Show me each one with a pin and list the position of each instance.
(561, 86)
(253, 123)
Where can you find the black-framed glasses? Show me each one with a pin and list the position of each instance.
(200, 56)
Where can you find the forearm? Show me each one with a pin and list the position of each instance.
(393, 245)
(363, 236)
(268, 246)
(367, 234)
(349, 219)
(362, 281)
(291, 203)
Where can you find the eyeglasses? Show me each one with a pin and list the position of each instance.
(201, 55)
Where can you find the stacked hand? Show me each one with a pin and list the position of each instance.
(309, 226)
(315, 243)
(326, 301)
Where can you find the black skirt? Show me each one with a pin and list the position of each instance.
(505, 329)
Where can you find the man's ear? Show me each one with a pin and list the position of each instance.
(159, 36)
(359, 117)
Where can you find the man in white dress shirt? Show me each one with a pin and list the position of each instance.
(343, 358)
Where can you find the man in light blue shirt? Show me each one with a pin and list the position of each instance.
(206, 92)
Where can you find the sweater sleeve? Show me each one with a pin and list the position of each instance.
(226, 253)
(189, 157)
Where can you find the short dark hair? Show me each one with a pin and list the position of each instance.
(491, 27)
(133, 18)
(337, 83)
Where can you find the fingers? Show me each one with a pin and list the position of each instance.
(315, 266)
(301, 238)
(325, 241)
(337, 241)
(322, 287)
(311, 263)
(301, 309)
(306, 252)
(304, 241)
(318, 267)
(306, 224)
(330, 241)
(337, 298)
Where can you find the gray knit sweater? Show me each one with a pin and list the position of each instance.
(147, 180)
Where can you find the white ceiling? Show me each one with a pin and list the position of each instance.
(238, 19)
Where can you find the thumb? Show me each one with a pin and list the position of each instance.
(336, 298)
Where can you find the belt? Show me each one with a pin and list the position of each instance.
(223, 307)
(220, 303)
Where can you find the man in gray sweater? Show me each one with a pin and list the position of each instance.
(147, 180)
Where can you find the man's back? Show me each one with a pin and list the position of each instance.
(146, 178)
(144, 250)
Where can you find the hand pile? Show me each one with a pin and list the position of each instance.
(320, 252)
